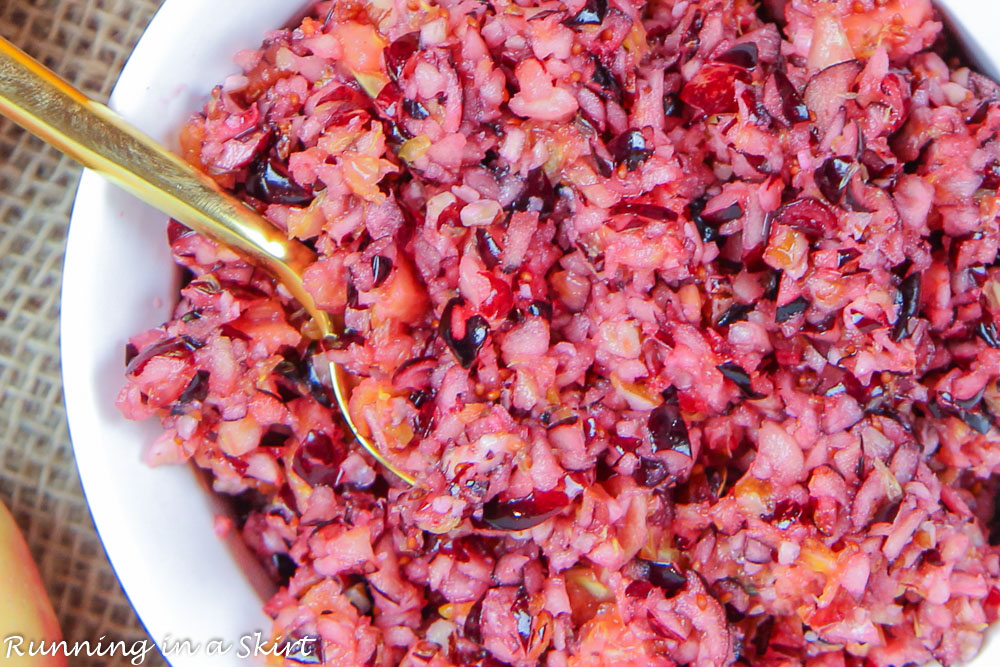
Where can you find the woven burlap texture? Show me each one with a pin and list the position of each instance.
(87, 42)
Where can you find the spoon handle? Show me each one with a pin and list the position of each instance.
(37, 99)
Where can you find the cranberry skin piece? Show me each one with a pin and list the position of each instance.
(604, 166)
(414, 109)
(740, 378)
(667, 429)
(176, 231)
(500, 300)
(846, 256)
(762, 636)
(284, 568)
(317, 460)
(197, 390)
(809, 215)
(593, 13)
(523, 513)
(307, 652)
(630, 148)
(639, 589)
(742, 55)
(172, 347)
(270, 182)
(786, 513)
(737, 312)
(473, 627)
(671, 105)
(651, 473)
(794, 108)
(389, 100)
(833, 176)
(522, 616)
(539, 308)
(607, 81)
(665, 576)
(466, 348)
(537, 194)
(991, 180)
(651, 211)
(987, 331)
(713, 88)
(909, 292)
(276, 437)
(709, 231)
(381, 266)
(979, 115)
(399, 52)
(791, 309)
(721, 216)
(489, 250)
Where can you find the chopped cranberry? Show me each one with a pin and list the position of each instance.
(398, 54)
(501, 298)
(909, 306)
(791, 309)
(592, 13)
(810, 215)
(720, 216)
(381, 266)
(642, 209)
(270, 182)
(833, 176)
(523, 513)
(667, 429)
(630, 148)
(786, 513)
(465, 348)
(489, 250)
(667, 577)
(196, 391)
(639, 589)
(737, 312)
(986, 329)
(742, 55)
(713, 88)
(414, 109)
(651, 473)
(171, 347)
(537, 194)
(317, 460)
(606, 80)
(795, 110)
(176, 231)
(740, 378)
(473, 628)
(522, 616)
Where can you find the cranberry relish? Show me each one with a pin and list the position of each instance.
(685, 317)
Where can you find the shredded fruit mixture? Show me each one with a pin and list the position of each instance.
(684, 313)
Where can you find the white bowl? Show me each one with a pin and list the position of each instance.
(157, 524)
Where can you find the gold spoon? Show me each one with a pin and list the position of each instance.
(35, 98)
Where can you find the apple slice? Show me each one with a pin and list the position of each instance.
(26, 612)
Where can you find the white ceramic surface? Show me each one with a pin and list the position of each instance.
(157, 524)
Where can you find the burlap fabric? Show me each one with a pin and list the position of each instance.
(88, 42)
